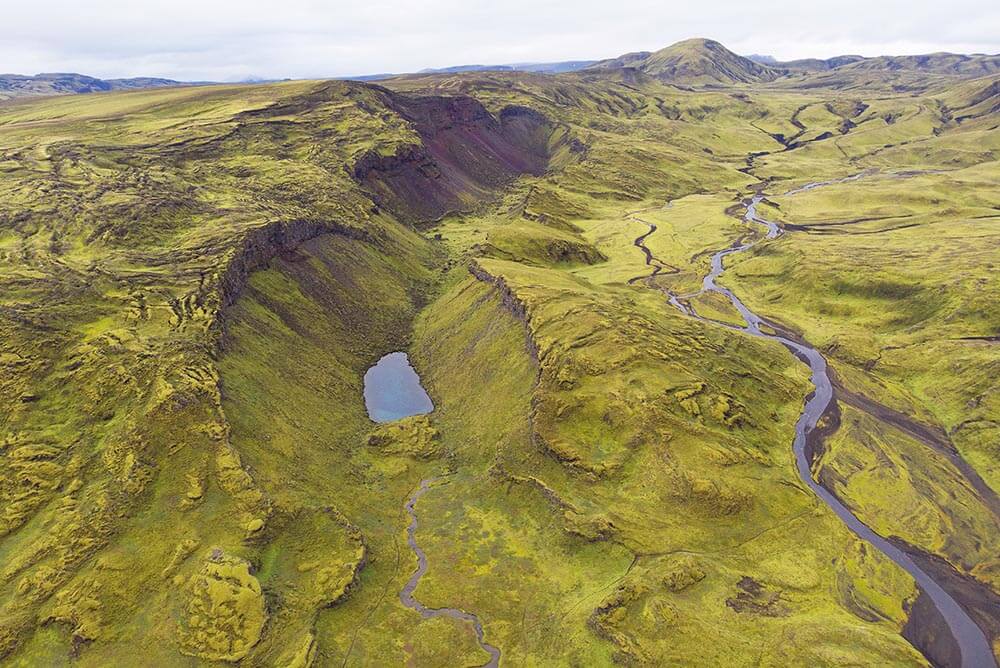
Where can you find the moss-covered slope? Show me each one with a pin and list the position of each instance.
(193, 282)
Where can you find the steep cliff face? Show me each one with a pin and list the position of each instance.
(466, 154)
(258, 248)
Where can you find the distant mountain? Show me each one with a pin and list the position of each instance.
(703, 62)
(975, 65)
(633, 59)
(544, 68)
(64, 83)
(381, 76)
(898, 73)
(805, 64)
(253, 80)
(455, 69)
(694, 62)
(933, 63)
(145, 82)
(816, 64)
(554, 68)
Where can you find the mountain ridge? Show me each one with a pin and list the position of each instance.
(697, 62)
(939, 62)
(63, 83)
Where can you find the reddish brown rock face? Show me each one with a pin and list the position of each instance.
(466, 154)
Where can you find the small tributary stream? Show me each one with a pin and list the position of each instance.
(972, 642)
(392, 391)
(406, 595)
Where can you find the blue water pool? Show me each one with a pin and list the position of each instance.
(393, 390)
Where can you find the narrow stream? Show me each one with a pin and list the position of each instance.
(406, 595)
(392, 391)
(974, 646)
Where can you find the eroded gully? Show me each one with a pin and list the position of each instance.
(406, 595)
(970, 639)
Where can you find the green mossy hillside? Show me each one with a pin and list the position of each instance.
(193, 282)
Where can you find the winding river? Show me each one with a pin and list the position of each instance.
(972, 642)
(406, 595)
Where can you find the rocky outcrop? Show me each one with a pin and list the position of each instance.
(466, 156)
(511, 302)
(258, 247)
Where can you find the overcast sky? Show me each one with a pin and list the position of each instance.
(229, 40)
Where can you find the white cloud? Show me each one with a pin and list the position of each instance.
(234, 39)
